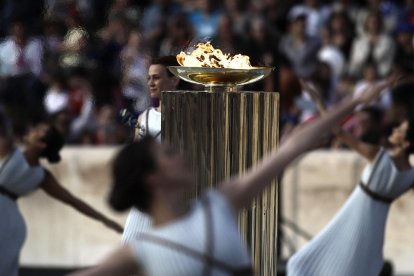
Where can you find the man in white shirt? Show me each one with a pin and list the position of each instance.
(20, 68)
(20, 54)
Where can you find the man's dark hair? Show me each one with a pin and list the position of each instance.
(129, 170)
(166, 61)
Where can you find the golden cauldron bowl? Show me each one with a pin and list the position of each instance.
(220, 78)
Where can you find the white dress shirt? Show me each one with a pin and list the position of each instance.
(9, 55)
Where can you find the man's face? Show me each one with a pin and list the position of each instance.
(18, 32)
(159, 80)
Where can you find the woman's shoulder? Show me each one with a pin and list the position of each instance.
(218, 201)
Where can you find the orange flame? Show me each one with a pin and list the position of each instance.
(206, 56)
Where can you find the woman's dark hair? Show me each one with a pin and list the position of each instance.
(410, 135)
(129, 169)
(166, 61)
(54, 142)
(6, 129)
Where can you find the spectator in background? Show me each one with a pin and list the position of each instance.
(21, 67)
(289, 89)
(74, 52)
(108, 132)
(349, 8)
(124, 7)
(372, 45)
(404, 53)
(178, 36)
(20, 54)
(81, 107)
(237, 11)
(134, 71)
(332, 55)
(56, 98)
(340, 29)
(57, 8)
(30, 12)
(407, 13)
(369, 77)
(154, 20)
(299, 48)
(53, 34)
(205, 18)
(316, 15)
(386, 9)
(262, 48)
(226, 39)
(325, 80)
(274, 12)
(112, 38)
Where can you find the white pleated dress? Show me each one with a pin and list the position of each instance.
(206, 241)
(138, 221)
(18, 177)
(352, 243)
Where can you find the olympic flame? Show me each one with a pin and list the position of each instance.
(205, 55)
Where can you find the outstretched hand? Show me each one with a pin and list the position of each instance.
(374, 91)
(315, 95)
(311, 89)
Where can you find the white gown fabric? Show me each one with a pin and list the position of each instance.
(352, 243)
(210, 228)
(19, 178)
(137, 221)
(150, 124)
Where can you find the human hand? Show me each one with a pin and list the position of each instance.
(315, 94)
(374, 91)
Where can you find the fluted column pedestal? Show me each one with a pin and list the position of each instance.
(222, 134)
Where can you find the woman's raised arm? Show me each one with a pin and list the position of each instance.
(241, 190)
(52, 187)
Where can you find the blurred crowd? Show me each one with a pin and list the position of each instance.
(78, 62)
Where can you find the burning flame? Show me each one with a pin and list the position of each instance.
(206, 56)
